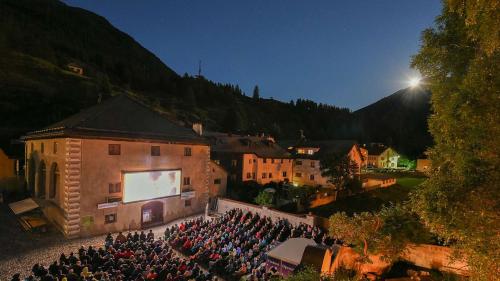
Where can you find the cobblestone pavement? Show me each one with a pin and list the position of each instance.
(20, 250)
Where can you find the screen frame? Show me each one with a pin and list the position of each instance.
(123, 172)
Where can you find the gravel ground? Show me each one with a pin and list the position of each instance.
(20, 250)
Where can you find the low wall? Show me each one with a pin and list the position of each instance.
(424, 255)
(224, 205)
(433, 256)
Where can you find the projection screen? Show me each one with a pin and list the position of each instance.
(148, 185)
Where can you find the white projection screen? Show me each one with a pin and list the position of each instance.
(138, 186)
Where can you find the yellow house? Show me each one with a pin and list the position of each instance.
(118, 166)
(307, 155)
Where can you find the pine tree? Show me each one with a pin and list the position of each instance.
(460, 60)
(256, 93)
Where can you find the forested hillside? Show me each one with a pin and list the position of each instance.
(399, 120)
(38, 39)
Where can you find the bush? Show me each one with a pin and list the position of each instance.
(265, 198)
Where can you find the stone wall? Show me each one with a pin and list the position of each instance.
(433, 256)
(225, 205)
(426, 256)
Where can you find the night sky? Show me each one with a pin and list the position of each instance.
(345, 53)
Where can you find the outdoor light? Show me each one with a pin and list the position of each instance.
(414, 82)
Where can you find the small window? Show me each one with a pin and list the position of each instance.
(284, 174)
(264, 160)
(311, 177)
(270, 175)
(54, 148)
(42, 147)
(298, 175)
(254, 175)
(187, 203)
(114, 149)
(249, 175)
(281, 161)
(111, 218)
(217, 181)
(255, 160)
(264, 175)
(187, 181)
(115, 187)
(313, 164)
(234, 163)
(298, 162)
(187, 151)
(272, 161)
(155, 150)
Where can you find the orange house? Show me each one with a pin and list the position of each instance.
(251, 158)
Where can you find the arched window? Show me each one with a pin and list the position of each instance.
(41, 180)
(54, 180)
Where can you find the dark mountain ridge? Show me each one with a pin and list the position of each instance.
(38, 39)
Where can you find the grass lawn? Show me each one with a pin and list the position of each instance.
(372, 200)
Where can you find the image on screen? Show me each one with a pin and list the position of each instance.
(140, 186)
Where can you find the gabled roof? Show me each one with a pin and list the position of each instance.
(376, 148)
(119, 117)
(260, 146)
(339, 147)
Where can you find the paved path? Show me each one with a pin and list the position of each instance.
(20, 251)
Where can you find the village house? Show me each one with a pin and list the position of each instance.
(423, 165)
(8, 166)
(251, 158)
(119, 166)
(308, 154)
(381, 156)
(75, 68)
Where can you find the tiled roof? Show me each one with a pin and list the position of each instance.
(260, 146)
(340, 147)
(376, 148)
(119, 117)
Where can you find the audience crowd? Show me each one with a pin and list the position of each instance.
(234, 245)
(231, 246)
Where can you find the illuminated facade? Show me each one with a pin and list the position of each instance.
(381, 156)
(78, 169)
(8, 166)
(251, 158)
(307, 155)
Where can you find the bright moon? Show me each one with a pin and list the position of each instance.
(414, 82)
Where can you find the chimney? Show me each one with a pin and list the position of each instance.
(198, 128)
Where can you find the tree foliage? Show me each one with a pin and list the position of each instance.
(386, 232)
(256, 93)
(460, 60)
(340, 170)
(264, 198)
